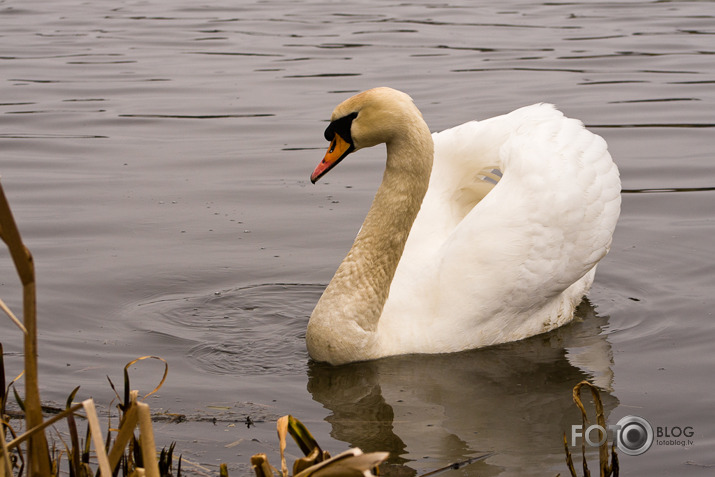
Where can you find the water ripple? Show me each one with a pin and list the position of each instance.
(251, 330)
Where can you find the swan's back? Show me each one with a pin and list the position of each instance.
(519, 210)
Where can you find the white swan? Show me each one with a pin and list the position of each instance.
(448, 261)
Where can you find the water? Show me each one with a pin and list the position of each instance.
(156, 156)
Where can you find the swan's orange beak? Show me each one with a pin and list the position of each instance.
(339, 148)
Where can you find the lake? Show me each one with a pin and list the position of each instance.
(156, 156)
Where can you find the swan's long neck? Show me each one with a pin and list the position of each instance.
(345, 320)
(371, 263)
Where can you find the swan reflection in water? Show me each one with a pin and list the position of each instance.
(430, 411)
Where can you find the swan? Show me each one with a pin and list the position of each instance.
(485, 233)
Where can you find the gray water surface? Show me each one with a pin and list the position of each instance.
(156, 156)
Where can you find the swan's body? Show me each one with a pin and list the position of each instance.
(448, 261)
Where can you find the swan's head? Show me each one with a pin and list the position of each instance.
(369, 118)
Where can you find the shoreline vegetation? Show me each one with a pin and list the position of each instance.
(123, 453)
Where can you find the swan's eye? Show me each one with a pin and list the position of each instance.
(332, 145)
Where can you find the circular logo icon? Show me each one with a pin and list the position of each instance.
(634, 435)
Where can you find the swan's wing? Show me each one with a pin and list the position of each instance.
(546, 223)
(479, 251)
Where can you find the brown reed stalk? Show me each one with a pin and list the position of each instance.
(605, 469)
(37, 453)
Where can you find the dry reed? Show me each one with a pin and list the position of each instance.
(37, 452)
(605, 469)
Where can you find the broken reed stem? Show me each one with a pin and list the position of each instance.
(37, 453)
(96, 432)
(151, 465)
